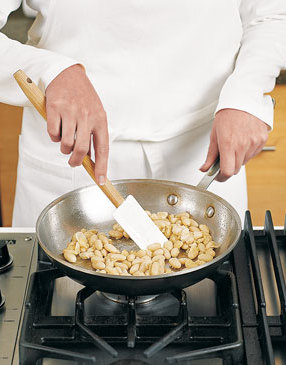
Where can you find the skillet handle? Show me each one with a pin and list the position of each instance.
(210, 175)
(38, 99)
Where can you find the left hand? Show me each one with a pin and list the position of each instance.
(236, 137)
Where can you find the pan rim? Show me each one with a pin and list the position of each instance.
(80, 269)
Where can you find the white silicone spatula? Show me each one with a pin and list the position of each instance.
(129, 213)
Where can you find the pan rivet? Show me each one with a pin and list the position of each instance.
(210, 212)
(172, 199)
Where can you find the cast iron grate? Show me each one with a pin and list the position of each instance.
(238, 334)
(260, 331)
(46, 336)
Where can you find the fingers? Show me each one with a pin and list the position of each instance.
(53, 123)
(255, 151)
(75, 112)
(232, 158)
(239, 161)
(81, 144)
(212, 153)
(68, 133)
(101, 149)
(239, 137)
(230, 164)
(230, 161)
(227, 163)
(65, 129)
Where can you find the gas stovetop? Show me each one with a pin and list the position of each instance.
(237, 316)
(13, 286)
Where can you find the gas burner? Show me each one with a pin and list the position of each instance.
(236, 316)
(6, 259)
(122, 299)
(163, 331)
(2, 300)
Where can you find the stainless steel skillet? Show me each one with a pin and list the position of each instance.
(89, 208)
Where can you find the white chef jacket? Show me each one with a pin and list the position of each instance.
(162, 68)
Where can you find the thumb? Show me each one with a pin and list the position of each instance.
(213, 152)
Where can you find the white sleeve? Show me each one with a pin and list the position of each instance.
(261, 57)
(41, 65)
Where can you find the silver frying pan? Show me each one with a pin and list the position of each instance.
(89, 208)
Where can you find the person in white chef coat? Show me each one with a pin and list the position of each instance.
(154, 88)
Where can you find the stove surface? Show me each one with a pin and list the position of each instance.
(251, 282)
(13, 285)
(99, 311)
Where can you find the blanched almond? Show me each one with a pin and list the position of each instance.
(154, 246)
(110, 248)
(69, 256)
(175, 263)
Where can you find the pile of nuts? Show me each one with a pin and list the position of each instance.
(188, 244)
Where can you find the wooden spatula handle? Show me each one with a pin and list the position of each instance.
(37, 98)
(33, 93)
(109, 190)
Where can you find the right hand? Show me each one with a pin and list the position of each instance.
(74, 109)
(236, 137)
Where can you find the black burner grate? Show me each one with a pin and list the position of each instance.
(259, 330)
(240, 332)
(49, 336)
